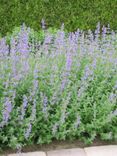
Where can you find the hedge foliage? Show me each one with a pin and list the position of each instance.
(83, 14)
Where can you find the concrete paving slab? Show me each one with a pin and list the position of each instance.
(29, 154)
(110, 150)
(67, 152)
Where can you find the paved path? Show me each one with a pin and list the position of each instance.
(110, 150)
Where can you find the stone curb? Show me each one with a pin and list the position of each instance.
(109, 150)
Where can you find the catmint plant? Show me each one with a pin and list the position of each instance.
(57, 85)
(24, 106)
(6, 111)
(28, 131)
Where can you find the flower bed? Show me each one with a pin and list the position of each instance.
(65, 89)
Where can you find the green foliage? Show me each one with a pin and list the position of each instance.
(84, 108)
(34, 36)
(93, 106)
(83, 14)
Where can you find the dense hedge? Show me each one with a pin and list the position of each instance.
(83, 14)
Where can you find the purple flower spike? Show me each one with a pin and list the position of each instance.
(45, 102)
(4, 50)
(23, 46)
(55, 128)
(77, 123)
(13, 44)
(7, 110)
(34, 110)
(28, 131)
(68, 62)
(23, 109)
(64, 82)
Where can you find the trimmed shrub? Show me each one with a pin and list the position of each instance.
(83, 14)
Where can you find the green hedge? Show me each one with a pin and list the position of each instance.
(83, 14)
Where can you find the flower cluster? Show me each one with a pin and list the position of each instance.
(67, 88)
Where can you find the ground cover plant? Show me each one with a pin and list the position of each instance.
(64, 89)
